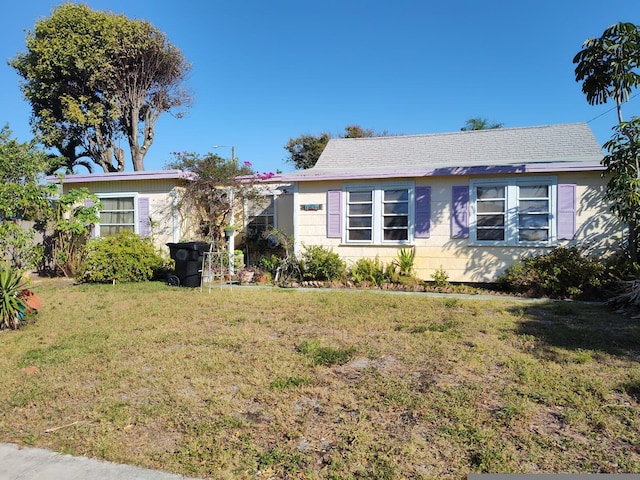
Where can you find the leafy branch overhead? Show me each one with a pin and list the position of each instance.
(94, 78)
(607, 66)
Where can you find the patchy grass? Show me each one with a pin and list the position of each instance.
(269, 383)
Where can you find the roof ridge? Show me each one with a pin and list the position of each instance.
(460, 132)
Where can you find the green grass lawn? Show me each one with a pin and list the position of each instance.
(276, 383)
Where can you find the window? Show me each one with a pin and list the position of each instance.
(360, 216)
(380, 213)
(534, 214)
(513, 212)
(260, 215)
(117, 214)
(395, 223)
(491, 209)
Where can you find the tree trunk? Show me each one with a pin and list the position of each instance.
(633, 241)
(137, 152)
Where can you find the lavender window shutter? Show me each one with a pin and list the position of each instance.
(460, 212)
(91, 203)
(334, 214)
(566, 211)
(423, 212)
(144, 224)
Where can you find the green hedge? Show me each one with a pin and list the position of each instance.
(124, 257)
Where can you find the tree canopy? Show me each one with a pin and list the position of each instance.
(93, 78)
(479, 123)
(23, 197)
(607, 66)
(305, 150)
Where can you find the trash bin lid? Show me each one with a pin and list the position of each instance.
(199, 246)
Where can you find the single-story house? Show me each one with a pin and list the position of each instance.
(144, 202)
(469, 202)
(147, 203)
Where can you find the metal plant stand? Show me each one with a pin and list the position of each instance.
(214, 269)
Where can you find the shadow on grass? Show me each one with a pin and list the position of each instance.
(579, 327)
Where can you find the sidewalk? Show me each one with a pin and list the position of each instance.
(18, 463)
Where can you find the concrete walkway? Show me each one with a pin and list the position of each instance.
(18, 463)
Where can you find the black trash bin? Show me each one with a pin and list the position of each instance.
(188, 258)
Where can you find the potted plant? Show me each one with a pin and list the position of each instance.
(246, 275)
(229, 230)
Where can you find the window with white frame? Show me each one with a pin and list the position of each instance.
(260, 215)
(379, 213)
(514, 212)
(118, 213)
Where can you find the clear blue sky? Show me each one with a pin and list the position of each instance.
(267, 71)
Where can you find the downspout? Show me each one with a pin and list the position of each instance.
(174, 214)
(296, 209)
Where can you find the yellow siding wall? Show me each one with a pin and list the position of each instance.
(161, 210)
(461, 260)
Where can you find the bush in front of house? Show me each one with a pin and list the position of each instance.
(319, 263)
(124, 257)
(564, 272)
(367, 271)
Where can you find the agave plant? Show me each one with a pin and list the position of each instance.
(405, 260)
(11, 306)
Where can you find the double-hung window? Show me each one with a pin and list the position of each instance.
(534, 213)
(379, 213)
(118, 213)
(491, 212)
(260, 215)
(360, 215)
(514, 212)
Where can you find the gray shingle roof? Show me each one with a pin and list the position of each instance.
(550, 144)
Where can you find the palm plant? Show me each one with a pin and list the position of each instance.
(11, 306)
(405, 261)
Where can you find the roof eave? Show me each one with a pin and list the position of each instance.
(121, 176)
(448, 171)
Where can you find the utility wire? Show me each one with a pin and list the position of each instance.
(612, 108)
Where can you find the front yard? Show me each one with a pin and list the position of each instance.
(277, 383)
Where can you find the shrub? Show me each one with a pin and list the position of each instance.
(18, 245)
(11, 305)
(319, 263)
(70, 229)
(405, 261)
(561, 273)
(269, 264)
(440, 277)
(368, 271)
(124, 257)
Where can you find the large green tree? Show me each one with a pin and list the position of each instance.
(305, 150)
(93, 78)
(607, 66)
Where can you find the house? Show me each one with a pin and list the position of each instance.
(147, 202)
(470, 202)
